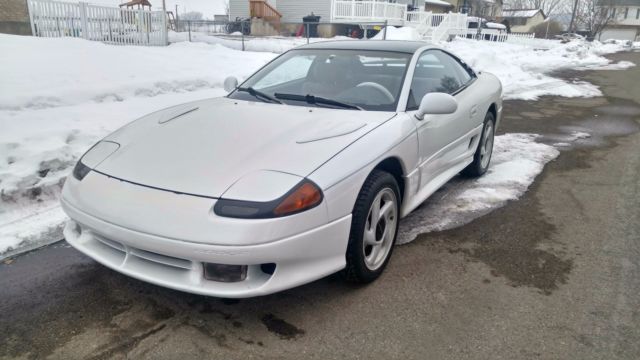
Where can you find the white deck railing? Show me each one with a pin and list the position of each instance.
(368, 11)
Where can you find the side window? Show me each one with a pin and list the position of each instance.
(436, 71)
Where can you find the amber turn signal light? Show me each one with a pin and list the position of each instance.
(305, 196)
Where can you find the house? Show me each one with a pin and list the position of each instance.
(351, 17)
(14, 17)
(336, 16)
(523, 20)
(624, 20)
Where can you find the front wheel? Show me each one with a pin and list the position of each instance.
(374, 228)
(482, 156)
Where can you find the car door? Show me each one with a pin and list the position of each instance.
(444, 140)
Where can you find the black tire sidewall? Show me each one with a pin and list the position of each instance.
(357, 270)
(475, 169)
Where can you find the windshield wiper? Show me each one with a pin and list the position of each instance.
(316, 100)
(259, 94)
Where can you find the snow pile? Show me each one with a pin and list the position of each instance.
(524, 71)
(45, 72)
(38, 148)
(402, 33)
(517, 159)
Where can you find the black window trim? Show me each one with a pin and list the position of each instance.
(464, 66)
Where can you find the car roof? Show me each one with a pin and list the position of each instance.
(404, 46)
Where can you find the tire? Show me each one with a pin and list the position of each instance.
(370, 246)
(482, 158)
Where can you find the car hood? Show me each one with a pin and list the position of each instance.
(203, 147)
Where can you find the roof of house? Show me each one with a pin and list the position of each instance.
(521, 13)
(375, 45)
(136, 2)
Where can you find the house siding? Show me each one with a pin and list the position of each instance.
(238, 8)
(295, 10)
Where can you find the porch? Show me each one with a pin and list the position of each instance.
(368, 11)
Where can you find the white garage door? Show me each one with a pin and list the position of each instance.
(618, 34)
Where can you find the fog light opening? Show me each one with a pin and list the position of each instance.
(268, 268)
(225, 273)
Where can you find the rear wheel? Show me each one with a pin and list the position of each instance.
(374, 228)
(482, 156)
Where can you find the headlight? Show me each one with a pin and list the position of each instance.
(93, 157)
(304, 196)
(80, 170)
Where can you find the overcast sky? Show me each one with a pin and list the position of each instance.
(207, 7)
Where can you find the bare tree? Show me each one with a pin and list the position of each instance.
(594, 15)
(192, 15)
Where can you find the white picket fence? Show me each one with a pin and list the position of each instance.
(111, 25)
(526, 39)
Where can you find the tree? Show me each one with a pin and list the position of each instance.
(548, 29)
(594, 15)
(191, 15)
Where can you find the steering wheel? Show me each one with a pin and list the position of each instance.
(379, 88)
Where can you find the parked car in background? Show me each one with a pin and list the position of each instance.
(303, 170)
(566, 37)
(479, 28)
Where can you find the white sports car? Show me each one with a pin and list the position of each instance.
(303, 170)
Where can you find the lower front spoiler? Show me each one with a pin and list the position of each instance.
(166, 262)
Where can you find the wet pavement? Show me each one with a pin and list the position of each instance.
(554, 275)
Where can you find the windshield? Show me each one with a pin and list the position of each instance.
(348, 79)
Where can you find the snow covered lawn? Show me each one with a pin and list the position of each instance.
(58, 96)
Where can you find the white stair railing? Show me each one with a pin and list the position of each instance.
(437, 27)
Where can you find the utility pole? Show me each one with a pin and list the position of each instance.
(573, 15)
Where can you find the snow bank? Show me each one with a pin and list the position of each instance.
(403, 33)
(524, 71)
(46, 72)
(38, 148)
(517, 159)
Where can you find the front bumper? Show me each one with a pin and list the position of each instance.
(144, 244)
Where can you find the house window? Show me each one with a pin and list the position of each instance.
(613, 13)
(626, 12)
(638, 14)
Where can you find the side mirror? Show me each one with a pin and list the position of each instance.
(436, 104)
(230, 83)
